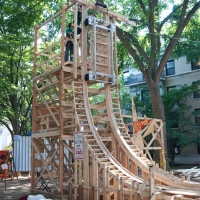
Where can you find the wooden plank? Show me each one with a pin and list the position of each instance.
(46, 61)
(49, 86)
(33, 151)
(47, 73)
(47, 134)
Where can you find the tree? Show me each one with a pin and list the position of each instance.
(16, 60)
(152, 51)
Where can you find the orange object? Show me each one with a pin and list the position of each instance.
(139, 125)
(4, 156)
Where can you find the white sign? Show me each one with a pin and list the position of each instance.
(4, 166)
(16, 137)
(78, 146)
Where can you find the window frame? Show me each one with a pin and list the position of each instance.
(196, 94)
(195, 66)
(198, 147)
(197, 118)
(168, 67)
(171, 88)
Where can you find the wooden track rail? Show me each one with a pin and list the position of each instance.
(81, 96)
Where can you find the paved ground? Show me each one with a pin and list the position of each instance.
(21, 187)
(17, 188)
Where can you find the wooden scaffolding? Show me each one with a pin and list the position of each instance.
(79, 100)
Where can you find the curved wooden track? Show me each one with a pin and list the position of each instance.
(131, 150)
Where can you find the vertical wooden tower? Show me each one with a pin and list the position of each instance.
(80, 97)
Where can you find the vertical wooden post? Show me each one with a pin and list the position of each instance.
(75, 41)
(132, 191)
(118, 186)
(80, 172)
(61, 95)
(121, 189)
(163, 163)
(151, 182)
(63, 34)
(134, 168)
(86, 171)
(95, 176)
(115, 51)
(144, 175)
(91, 193)
(70, 191)
(124, 160)
(134, 113)
(84, 40)
(75, 178)
(136, 195)
(117, 148)
(34, 111)
(104, 181)
(80, 191)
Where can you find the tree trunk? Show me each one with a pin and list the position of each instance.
(158, 111)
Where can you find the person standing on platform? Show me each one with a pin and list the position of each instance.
(69, 45)
(70, 35)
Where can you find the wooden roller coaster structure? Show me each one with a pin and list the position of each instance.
(80, 143)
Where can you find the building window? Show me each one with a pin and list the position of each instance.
(196, 94)
(198, 147)
(170, 68)
(195, 65)
(197, 117)
(145, 96)
(126, 75)
(171, 88)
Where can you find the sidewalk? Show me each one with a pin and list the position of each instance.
(15, 188)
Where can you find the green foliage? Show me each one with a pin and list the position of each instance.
(125, 59)
(189, 43)
(157, 27)
(16, 59)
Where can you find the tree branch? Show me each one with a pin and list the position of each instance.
(175, 9)
(130, 37)
(143, 7)
(125, 37)
(191, 13)
(173, 41)
(6, 125)
(154, 37)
